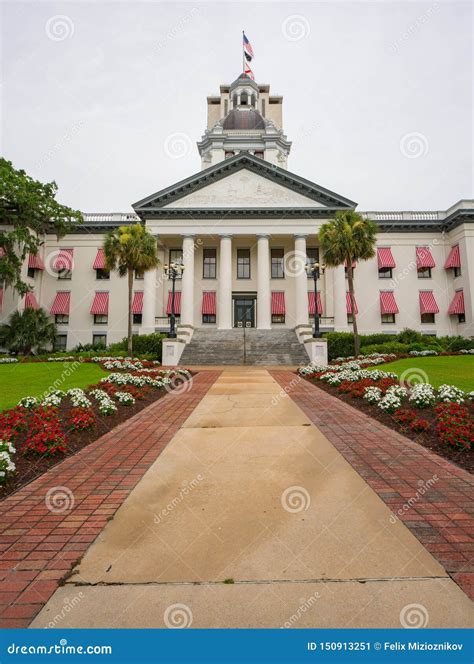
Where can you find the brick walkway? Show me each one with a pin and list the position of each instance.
(39, 546)
(396, 468)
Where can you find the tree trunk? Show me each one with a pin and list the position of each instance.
(350, 282)
(130, 295)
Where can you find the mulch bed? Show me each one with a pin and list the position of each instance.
(429, 439)
(30, 466)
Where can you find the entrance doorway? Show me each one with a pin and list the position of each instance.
(244, 310)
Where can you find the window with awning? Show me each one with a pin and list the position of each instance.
(424, 258)
(388, 303)
(385, 258)
(177, 303)
(428, 304)
(278, 306)
(311, 306)
(31, 302)
(64, 260)
(137, 302)
(457, 304)
(349, 304)
(209, 307)
(99, 262)
(453, 260)
(100, 304)
(35, 262)
(61, 303)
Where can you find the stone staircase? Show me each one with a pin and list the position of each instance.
(244, 346)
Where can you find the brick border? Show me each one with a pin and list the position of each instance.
(39, 545)
(394, 467)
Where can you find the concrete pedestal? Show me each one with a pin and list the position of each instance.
(172, 350)
(317, 350)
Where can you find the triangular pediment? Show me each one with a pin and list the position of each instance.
(242, 182)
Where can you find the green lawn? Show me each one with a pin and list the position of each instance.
(36, 378)
(454, 370)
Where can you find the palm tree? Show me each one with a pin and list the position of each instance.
(28, 330)
(346, 239)
(130, 249)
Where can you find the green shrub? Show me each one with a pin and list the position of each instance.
(340, 344)
(389, 347)
(454, 344)
(408, 336)
(143, 344)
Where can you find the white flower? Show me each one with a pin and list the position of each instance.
(8, 360)
(398, 391)
(450, 394)
(422, 395)
(389, 403)
(125, 398)
(28, 402)
(372, 394)
(78, 398)
(6, 462)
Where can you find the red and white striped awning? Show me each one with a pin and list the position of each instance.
(30, 301)
(99, 263)
(428, 303)
(64, 260)
(454, 258)
(278, 303)
(137, 303)
(100, 305)
(349, 304)
(385, 258)
(424, 258)
(61, 303)
(177, 303)
(311, 303)
(457, 304)
(387, 303)
(35, 262)
(209, 303)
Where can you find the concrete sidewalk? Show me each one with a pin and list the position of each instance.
(251, 518)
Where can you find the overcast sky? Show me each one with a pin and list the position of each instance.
(109, 98)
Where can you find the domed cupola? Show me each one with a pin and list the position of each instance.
(243, 118)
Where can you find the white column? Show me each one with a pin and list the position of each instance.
(224, 304)
(187, 283)
(339, 299)
(149, 302)
(264, 320)
(301, 281)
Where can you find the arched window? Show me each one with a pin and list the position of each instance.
(244, 99)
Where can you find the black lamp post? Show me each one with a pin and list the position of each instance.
(315, 270)
(173, 271)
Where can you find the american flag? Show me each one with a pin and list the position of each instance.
(248, 50)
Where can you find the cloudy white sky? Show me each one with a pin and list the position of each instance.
(377, 95)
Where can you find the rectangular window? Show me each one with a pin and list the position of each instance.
(137, 319)
(176, 256)
(102, 274)
(424, 273)
(259, 154)
(457, 271)
(388, 318)
(461, 318)
(243, 263)
(278, 318)
(61, 319)
(263, 107)
(65, 275)
(60, 342)
(99, 340)
(312, 256)
(31, 272)
(350, 318)
(139, 275)
(208, 318)
(101, 319)
(427, 318)
(277, 264)
(385, 273)
(209, 263)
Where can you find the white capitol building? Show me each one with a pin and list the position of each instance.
(242, 227)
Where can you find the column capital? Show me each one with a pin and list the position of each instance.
(225, 235)
(188, 236)
(263, 236)
(300, 236)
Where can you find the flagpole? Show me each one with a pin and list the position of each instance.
(243, 53)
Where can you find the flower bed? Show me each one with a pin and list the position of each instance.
(440, 419)
(37, 434)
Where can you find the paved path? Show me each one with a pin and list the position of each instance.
(251, 518)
